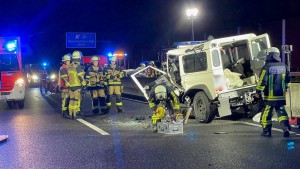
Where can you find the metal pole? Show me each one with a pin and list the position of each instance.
(192, 29)
(283, 40)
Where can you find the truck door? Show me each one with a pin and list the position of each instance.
(258, 47)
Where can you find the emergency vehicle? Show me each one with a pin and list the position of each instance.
(12, 86)
(202, 73)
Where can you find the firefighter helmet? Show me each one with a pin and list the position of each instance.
(151, 63)
(273, 53)
(113, 59)
(77, 55)
(160, 92)
(66, 57)
(143, 65)
(94, 58)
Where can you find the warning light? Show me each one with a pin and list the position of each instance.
(11, 46)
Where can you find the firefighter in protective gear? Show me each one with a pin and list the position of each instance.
(76, 81)
(151, 72)
(96, 84)
(273, 82)
(162, 96)
(43, 80)
(64, 83)
(113, 75)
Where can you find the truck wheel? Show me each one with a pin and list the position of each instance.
(10, 104)
(202, 108)
(21, 104)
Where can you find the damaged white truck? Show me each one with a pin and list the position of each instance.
(218, 75)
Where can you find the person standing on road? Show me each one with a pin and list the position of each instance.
(43, 80)
(95, 79)
(113, 75)
(76, 81)
(162, 96)
(274, 82)
(64, 84)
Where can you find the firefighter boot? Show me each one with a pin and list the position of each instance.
(96, 111)
(65, 114)
(267, 131)
(286, 127)
(120, 109)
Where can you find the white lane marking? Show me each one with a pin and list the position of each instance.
(275, 129)
(135, 100)
(93, 127)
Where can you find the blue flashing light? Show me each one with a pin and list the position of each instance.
(11, 46)
(110, 54)
(125, 54)
(45, 64)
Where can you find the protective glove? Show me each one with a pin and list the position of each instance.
(83, 83)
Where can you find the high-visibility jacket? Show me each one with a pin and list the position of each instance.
(113, 75)
(274, 80)
(95, 76)
(63, 76)
(171, 98)
(76, 75)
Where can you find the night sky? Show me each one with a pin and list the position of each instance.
(139, 27)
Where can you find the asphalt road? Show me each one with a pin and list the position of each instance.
(40, 138)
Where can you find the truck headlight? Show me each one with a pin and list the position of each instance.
(20, 82)
(35, 77)
(52, 76)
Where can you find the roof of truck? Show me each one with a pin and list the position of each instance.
(209, 44)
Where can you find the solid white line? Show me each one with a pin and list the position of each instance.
(93, 127)
(275, 129)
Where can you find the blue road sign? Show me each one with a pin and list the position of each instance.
(80, 40)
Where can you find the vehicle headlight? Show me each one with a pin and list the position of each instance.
(35, 77)
(52, 76)
(20, 82)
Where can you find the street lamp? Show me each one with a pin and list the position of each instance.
(191, 14)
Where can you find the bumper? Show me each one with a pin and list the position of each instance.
(18, 93)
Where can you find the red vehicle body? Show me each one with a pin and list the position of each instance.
(12, 86)
(102, 60)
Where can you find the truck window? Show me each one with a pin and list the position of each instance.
(195, 62)
(258, 45)
(215, 58)
(9, 62)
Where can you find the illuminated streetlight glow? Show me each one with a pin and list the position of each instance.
(191, 14)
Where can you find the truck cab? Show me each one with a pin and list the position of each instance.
(12, 86)
(218, 75)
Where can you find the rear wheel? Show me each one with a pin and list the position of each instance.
(202, 108)
(10, 104)
(21, 104)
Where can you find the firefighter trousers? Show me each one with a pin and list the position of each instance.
(266, 116)
(65, 99)
(74, 105)
(115, 90)
(98, 96)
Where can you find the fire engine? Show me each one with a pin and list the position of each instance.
(12, 86)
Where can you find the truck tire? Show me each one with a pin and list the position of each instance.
(10, 104)
(21, 104)
(202, 108)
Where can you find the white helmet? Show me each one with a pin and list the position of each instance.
(273, 54)
(76, 55)
(94, 58)
(160, 92)
(66, 57)
(113, 59)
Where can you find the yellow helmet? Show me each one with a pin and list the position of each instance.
(66, 57)
(76, 55)
(94, 58)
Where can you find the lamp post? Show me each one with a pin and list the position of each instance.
(191, 14)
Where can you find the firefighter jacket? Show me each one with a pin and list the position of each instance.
(63, 76)
(273, 81)
(113, 75)
(95, 77)
(171, 98)
(76, 76)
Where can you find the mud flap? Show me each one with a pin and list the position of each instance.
(224, 107)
